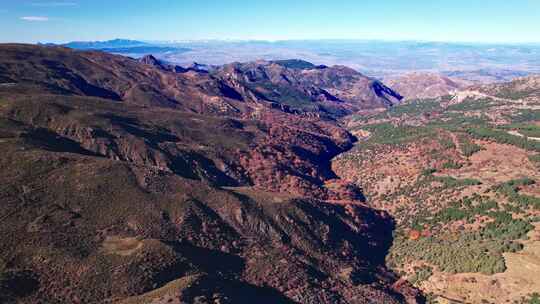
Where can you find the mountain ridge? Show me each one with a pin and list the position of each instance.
(145, 180)
(114, 43)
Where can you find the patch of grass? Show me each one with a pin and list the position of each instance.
(458, 252)
(451, 253)
(471, 105)
(426, 180)
(414, 108)
(388, 134)
(450, 182)
(479, 251)
(464, 209)
(514, 94)
(525, 115)
(511, 190)
(286, 95)
(525, 129)
(421, 274)
(467, 146)
(458, 122)
(504, 138)
(447, 181)
(447, 143)
(535, 159)
(428, 171)
(451, 164)
(411, 108)
(533, 299)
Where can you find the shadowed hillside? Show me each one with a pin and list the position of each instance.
(124, 181)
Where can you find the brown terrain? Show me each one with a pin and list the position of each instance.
(524, 88)
(138, 182)
(460, 175)
(418, 85)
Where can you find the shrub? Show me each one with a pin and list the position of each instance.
(452, 165)
(528, 130)
(428, 171)
(452, 253)
(535, 159)
(533, 299)
(470, 105)
(447, 143)
(468, 148)
(415, 108)
(511, 190)
(450, 182)
(421, 274)
(389, 134)
(473, 251)
(526, 115)
(504, 138)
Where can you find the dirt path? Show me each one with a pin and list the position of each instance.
(516, 133)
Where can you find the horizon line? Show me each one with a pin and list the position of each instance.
(232, 40)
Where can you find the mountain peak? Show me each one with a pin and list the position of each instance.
(150, 60)
(304, 87)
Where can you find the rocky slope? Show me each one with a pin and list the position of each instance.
(425, 85)
(335, 91)
(128, 182)
(523, 88)
(296, 85)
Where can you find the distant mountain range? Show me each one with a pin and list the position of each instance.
(379, 59)
(125, 46)
(116, 43)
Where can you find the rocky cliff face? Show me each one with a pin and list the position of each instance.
(135, 183)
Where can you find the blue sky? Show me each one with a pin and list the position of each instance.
(436, 20)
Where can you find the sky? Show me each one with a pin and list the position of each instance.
(506, 21)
